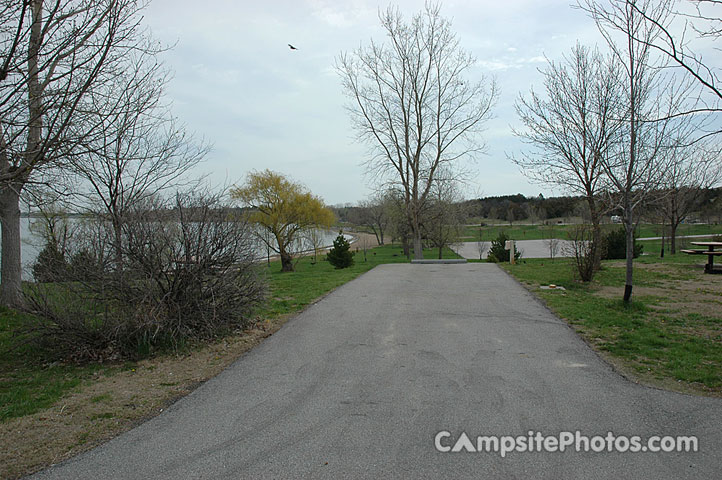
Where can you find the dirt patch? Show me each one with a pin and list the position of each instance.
(702, 295)
(109, 405)
(361, 240)
(617, 292)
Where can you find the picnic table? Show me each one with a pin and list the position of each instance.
(710, 252)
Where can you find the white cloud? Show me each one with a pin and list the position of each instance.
(340, 14)
(264, 106)
(537, 59)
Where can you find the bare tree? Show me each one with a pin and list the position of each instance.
(691, 171)
(573, 129)
(137, 149)
(532, 212)
(412, 103)
(375, 212)
(642, 154)
(481, 245)
(443, 217)
(52, 53)
(314, 238)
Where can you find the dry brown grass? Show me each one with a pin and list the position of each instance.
(701, 295)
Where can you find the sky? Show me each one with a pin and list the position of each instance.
(261, 105)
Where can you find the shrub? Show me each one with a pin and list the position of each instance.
(340, 256)
(582, 249)
(615, 245)
(188, 274)
(498, 252)
(85, 267)
(51, 265)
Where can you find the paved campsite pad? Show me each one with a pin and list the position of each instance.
(359, 384)
(528, 249)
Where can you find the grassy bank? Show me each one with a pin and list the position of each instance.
(669, 336)
(29, 382)
(540, 232)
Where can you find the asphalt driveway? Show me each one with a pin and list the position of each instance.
(359, 385)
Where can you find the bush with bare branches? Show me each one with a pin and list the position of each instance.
(189, 273)
(584, 251)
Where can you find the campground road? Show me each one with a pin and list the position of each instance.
(359, 384)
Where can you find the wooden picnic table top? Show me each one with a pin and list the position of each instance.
(707, 244)
(703, 252)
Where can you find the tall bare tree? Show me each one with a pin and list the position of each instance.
(51, 54)
(573, 128)
(411, 101)
(650, 134)
(137, 149)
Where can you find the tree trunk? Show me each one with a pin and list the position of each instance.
(117, 244)
(418, 247)
(629, 226)
(376, 234)
(286, 262)
(673, 238)
(596, 233)
(11, 269)
(405, 246)
(11, 273)
(441, 250)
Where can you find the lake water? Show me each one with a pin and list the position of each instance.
(32, 244)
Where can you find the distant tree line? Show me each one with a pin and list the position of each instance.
(706, 207)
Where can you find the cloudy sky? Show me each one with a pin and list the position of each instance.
(262, 105)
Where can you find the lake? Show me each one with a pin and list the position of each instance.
(32, 244)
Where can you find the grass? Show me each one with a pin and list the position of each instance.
(540, 232)
(30, 383)
(660, 337)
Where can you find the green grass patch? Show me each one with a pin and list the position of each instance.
(521, 231)
(27, 383)
(101, 398)
(103, 415)
(650, 338)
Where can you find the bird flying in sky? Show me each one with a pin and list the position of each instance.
(292, 47)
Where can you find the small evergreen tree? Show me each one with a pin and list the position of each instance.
(498, 252)
(340, 256)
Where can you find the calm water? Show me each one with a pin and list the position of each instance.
(33, 243)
